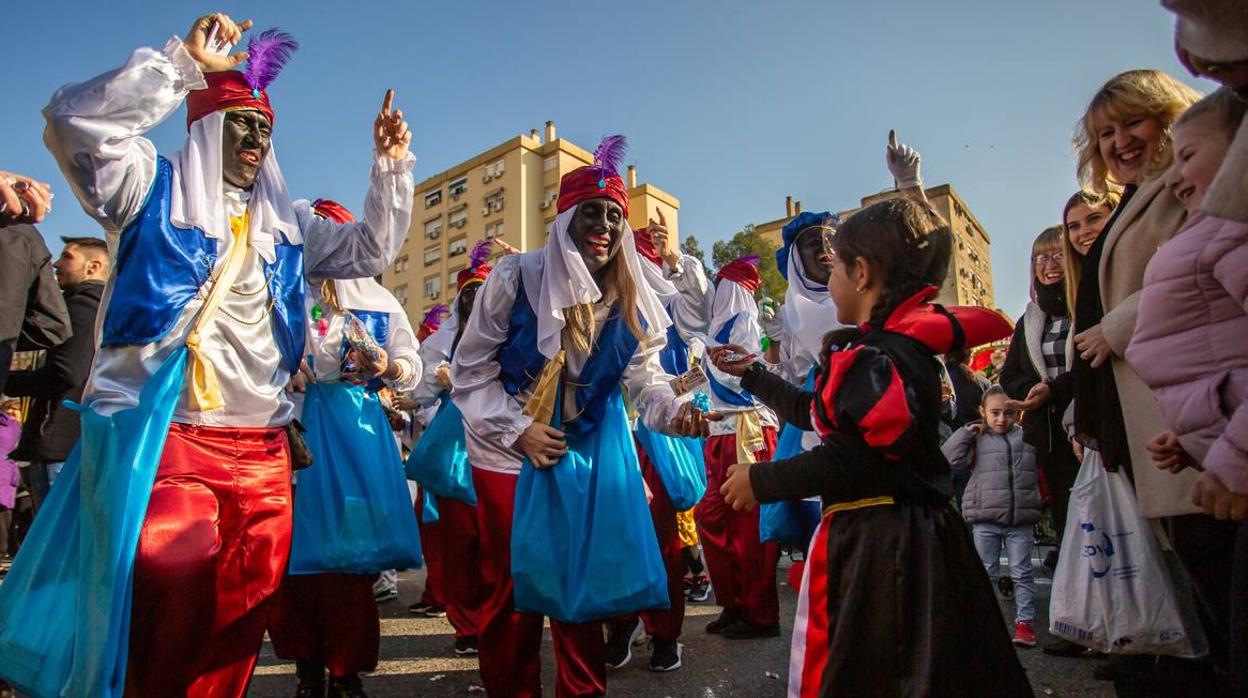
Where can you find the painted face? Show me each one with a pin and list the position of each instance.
(1200, 145)
(467, 298)
(1046, 265)
(244, 145)
(999, 418)
(1084, 225)
(814, 259)
(595, 229)
(1128, 145)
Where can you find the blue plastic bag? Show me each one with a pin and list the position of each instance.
(439, 462)
(428, 508)
(791, 521)
(680, 463)
(353, 511)
(583, 546)
(65, 604)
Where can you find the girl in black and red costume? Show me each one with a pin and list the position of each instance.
(894, 601)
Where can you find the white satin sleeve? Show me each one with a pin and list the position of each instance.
(404, 349)
(746, 334)
(691, 310)
(94, 129)
(650, 387)
(489, 411)
(427, 391)
(333, 250)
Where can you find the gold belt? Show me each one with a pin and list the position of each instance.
(858, 504)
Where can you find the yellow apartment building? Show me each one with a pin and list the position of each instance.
(506, 193)
(970, 269)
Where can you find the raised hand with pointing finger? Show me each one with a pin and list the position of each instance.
(390, 132)
(903, 163)
(658, 233)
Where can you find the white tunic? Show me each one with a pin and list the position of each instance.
(326, 351)
(95, 132)
(493, 419)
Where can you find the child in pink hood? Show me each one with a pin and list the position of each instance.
(1189, 342)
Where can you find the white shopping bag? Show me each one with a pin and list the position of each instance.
(1111, 589)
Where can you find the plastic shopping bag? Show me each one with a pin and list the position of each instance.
(1111, 590)
(583, 545)
(439, 462)
(65, 604)
(680, 464)
(790, 521)
(353, 511)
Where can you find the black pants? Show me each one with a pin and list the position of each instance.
(1060, 469)
(1239, 612)
(1206, 547)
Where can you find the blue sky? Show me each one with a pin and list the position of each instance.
(728, 105)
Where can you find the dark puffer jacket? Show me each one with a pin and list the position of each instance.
(1004, 486)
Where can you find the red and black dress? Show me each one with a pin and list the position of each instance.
(894, 600)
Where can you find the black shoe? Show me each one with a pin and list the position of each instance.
(1119, 667)
(1006, 585)
(311, 679)
(466, 646)
(1050, 560)
(347, 687)
(310, 689)
(433, 610)
(620, 638)
(665, 655)
(1061, 647)
(419, 608)
(742, 630)
(726, 618)
(699, 590)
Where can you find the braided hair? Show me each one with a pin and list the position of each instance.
(908, 243)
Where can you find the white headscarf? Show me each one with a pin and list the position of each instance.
(199, 192)
(365, 294)
(662, 286)
(555, 278)
(808, 314)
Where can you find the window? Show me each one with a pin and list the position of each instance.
(433, 255)
(433, 198)
(549, 196)
(551, 162)
(459, 218)
(458, 246)
(433, 286)
(451, 277)
(400, 294)
(433, 228)
(458, 187)
(494, 230)
(401, 264)
(493, 201)
(492, 170)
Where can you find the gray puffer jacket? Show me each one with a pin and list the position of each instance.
(1005, 483)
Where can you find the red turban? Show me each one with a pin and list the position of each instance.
(471, 275)
(227, 90)
(588, 182)
(334, 211)
(742, 272)
(645, 246)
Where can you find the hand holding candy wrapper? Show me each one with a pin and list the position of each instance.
(362, 340)
(366, 359)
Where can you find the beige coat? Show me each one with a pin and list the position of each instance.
(1228, 194)
(1150, 218)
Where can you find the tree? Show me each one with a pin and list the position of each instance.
(691, 247)
(749, 241)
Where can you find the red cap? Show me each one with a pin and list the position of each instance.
(334, 211)
(227, 90)
(645, 246)
(588, 182)
(742, 272)
(471, 275)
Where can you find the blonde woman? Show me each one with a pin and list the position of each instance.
(1083, 218)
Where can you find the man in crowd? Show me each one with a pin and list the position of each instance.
(51, 429)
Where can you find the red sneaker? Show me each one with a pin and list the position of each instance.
(1024, 634)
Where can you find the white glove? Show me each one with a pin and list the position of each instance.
(769, 318)
(903, 163)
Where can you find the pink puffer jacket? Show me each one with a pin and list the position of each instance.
(1191, 342)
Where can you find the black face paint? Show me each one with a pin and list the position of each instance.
(595, 229)
(810, 248)
(244, 145)
(467, 298)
